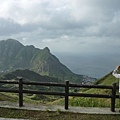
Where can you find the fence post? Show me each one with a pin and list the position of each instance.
(66, 94)
(113, 97)
(20, 92)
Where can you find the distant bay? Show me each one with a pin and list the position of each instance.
(92, 65)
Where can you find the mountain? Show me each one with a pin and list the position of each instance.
(14, 55)
(28, 75)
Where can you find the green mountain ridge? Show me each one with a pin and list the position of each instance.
(14, 55)
(28, 75)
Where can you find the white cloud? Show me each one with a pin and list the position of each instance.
(48, 40)
(75, 26)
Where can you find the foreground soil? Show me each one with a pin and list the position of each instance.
(50, 115)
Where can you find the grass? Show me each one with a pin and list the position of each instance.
(9, 97)
(48, 115)
(73, 101)
(87, 102)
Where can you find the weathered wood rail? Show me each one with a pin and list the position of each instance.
(66, 93)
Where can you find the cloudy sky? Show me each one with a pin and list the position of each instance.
(65, 26)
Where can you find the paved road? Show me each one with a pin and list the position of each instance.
(89, 110)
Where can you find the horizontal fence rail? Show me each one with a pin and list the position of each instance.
(66, 92)
(45, 84)
(90, 86)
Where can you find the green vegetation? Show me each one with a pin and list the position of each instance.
(86, 102)
(28, 98)
(93, 102)
(73, 101)
(28, 75)
(15, 56)
(58, 115)
(8, 97)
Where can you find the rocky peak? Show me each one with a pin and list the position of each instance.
(46, 49)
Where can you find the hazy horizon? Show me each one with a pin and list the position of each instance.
(92, 65)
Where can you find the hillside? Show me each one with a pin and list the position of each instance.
(108, 79)
(14, 55)
(93, 102)
(73, 101)
(28, 75)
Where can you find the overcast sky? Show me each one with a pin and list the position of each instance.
(69, 26)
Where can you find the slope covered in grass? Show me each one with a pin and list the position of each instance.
(107, 80)
(80, 101)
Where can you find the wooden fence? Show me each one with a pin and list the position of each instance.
(66, 93)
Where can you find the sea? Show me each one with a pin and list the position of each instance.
(96, 66)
